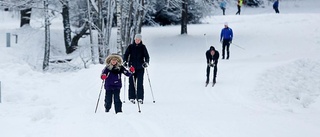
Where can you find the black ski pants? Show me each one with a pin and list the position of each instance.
(115, 94)
(225, 45)
(215, 69)
(223, 11)
(137, 79)
(276, 10)
(239, 10)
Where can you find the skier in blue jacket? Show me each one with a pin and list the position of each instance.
(226, 39)
(223, 5)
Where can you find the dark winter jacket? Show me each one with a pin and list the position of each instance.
(136, 55)
(113, 73)
(213, 58)
(276, 4)
(226, 34)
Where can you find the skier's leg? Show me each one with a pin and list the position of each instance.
(238, 12)
(208, 73)
(132, 91)
(215, 69)
(117, 101)
(140, 89)
(108, 100)
(228, 52)
(223, 48)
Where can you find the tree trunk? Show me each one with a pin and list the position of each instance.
(76, 38)
(25, 17)
(66, 26)
(108, 21)
(47, 39)
(101, 46)
(93, 59)
(119, 24)
(128, 24)
(140, 16)
(184, 17)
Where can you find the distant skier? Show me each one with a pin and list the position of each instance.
(226, 39)
(136, 55)
(239, 6)
(223, 5)
(276, 6)
(212, 57)
(111, 74)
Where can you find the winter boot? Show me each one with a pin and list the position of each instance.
(140, 101)
(132, 101)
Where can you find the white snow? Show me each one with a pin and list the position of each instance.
(269, 87)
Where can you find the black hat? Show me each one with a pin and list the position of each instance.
(212, 48)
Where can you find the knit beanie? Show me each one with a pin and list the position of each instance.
(138, 36)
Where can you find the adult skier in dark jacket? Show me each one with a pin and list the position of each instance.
(137, 55)
(111, 74)
(226, 37)
(212, 61)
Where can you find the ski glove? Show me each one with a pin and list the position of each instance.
(132, 69)
(145, 64)
(104, 76)
(210, 65)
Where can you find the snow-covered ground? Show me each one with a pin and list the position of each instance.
(268, 88)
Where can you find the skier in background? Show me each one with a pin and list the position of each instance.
(276, 6)
(223, 5)
(239, 6)
(212, 57)
(226, 39)
(136, 55)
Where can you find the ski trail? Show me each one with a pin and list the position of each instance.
(142, 124)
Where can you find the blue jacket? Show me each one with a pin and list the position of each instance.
(226, 34)
(113, 73)
(223, 4)
(276, 4)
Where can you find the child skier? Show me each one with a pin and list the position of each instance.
(111, 74)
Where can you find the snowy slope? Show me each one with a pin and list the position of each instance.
(268, 88)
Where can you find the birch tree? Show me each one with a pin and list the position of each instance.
(133, 14)
(47, 38)
(119, 24)
(66, 26)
